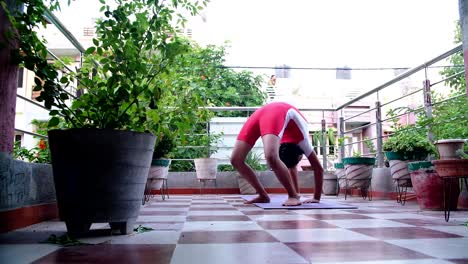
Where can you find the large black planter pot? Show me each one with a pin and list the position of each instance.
(100, 176)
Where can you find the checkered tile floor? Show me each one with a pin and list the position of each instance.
(221, 229)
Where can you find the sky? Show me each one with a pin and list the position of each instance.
(357, 33)
(317, 33)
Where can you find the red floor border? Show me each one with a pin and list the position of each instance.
(26, 216)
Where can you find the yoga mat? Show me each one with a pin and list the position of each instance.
(276, 201)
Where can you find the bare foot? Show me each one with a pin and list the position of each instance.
(311, 200)
(292, 202)
(259, 199)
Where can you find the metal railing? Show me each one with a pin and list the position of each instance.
(341, 110)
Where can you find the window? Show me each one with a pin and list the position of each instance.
(18, 137)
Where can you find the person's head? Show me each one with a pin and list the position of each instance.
(290, 154)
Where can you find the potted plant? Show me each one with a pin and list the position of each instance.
(106, 149)
(358, 170)
(340, 175)
(159, 170)
(406, 145)
(429, 186)
(206, 167)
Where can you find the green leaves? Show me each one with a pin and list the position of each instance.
(63, 240)
(54, 121)
(90, 50)
(142, 229)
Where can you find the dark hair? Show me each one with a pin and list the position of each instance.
(290, 154)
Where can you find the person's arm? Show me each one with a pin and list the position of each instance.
(293, 173)
(318, 175)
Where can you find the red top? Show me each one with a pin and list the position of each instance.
(280, 119)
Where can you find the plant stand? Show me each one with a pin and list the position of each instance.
(448, 198)
(401, 177)
(451, 170)
(203, 182)
(340, 177)
(401, 186)
(206, 169)
(164, 189)
(359, 175)
(157, 179)
(364, 186)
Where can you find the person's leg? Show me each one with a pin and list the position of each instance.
(294, 178)
(271, 145)
(239, 153)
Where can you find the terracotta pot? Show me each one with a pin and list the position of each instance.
(447, 148)
(451, 167)
(428, 187)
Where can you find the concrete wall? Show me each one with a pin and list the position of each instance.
(24, 184)
(179, 180)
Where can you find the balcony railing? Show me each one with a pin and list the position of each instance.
(353, 120)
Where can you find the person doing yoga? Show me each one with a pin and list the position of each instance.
(285, 138)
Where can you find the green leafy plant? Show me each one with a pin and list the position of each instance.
(38, 154)
(462, 154)
(22, 153)
(123, 75)
(450, 116)
(164, 145)
(253, 160)
(370, 146)
(407, 138)
(217, 85)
